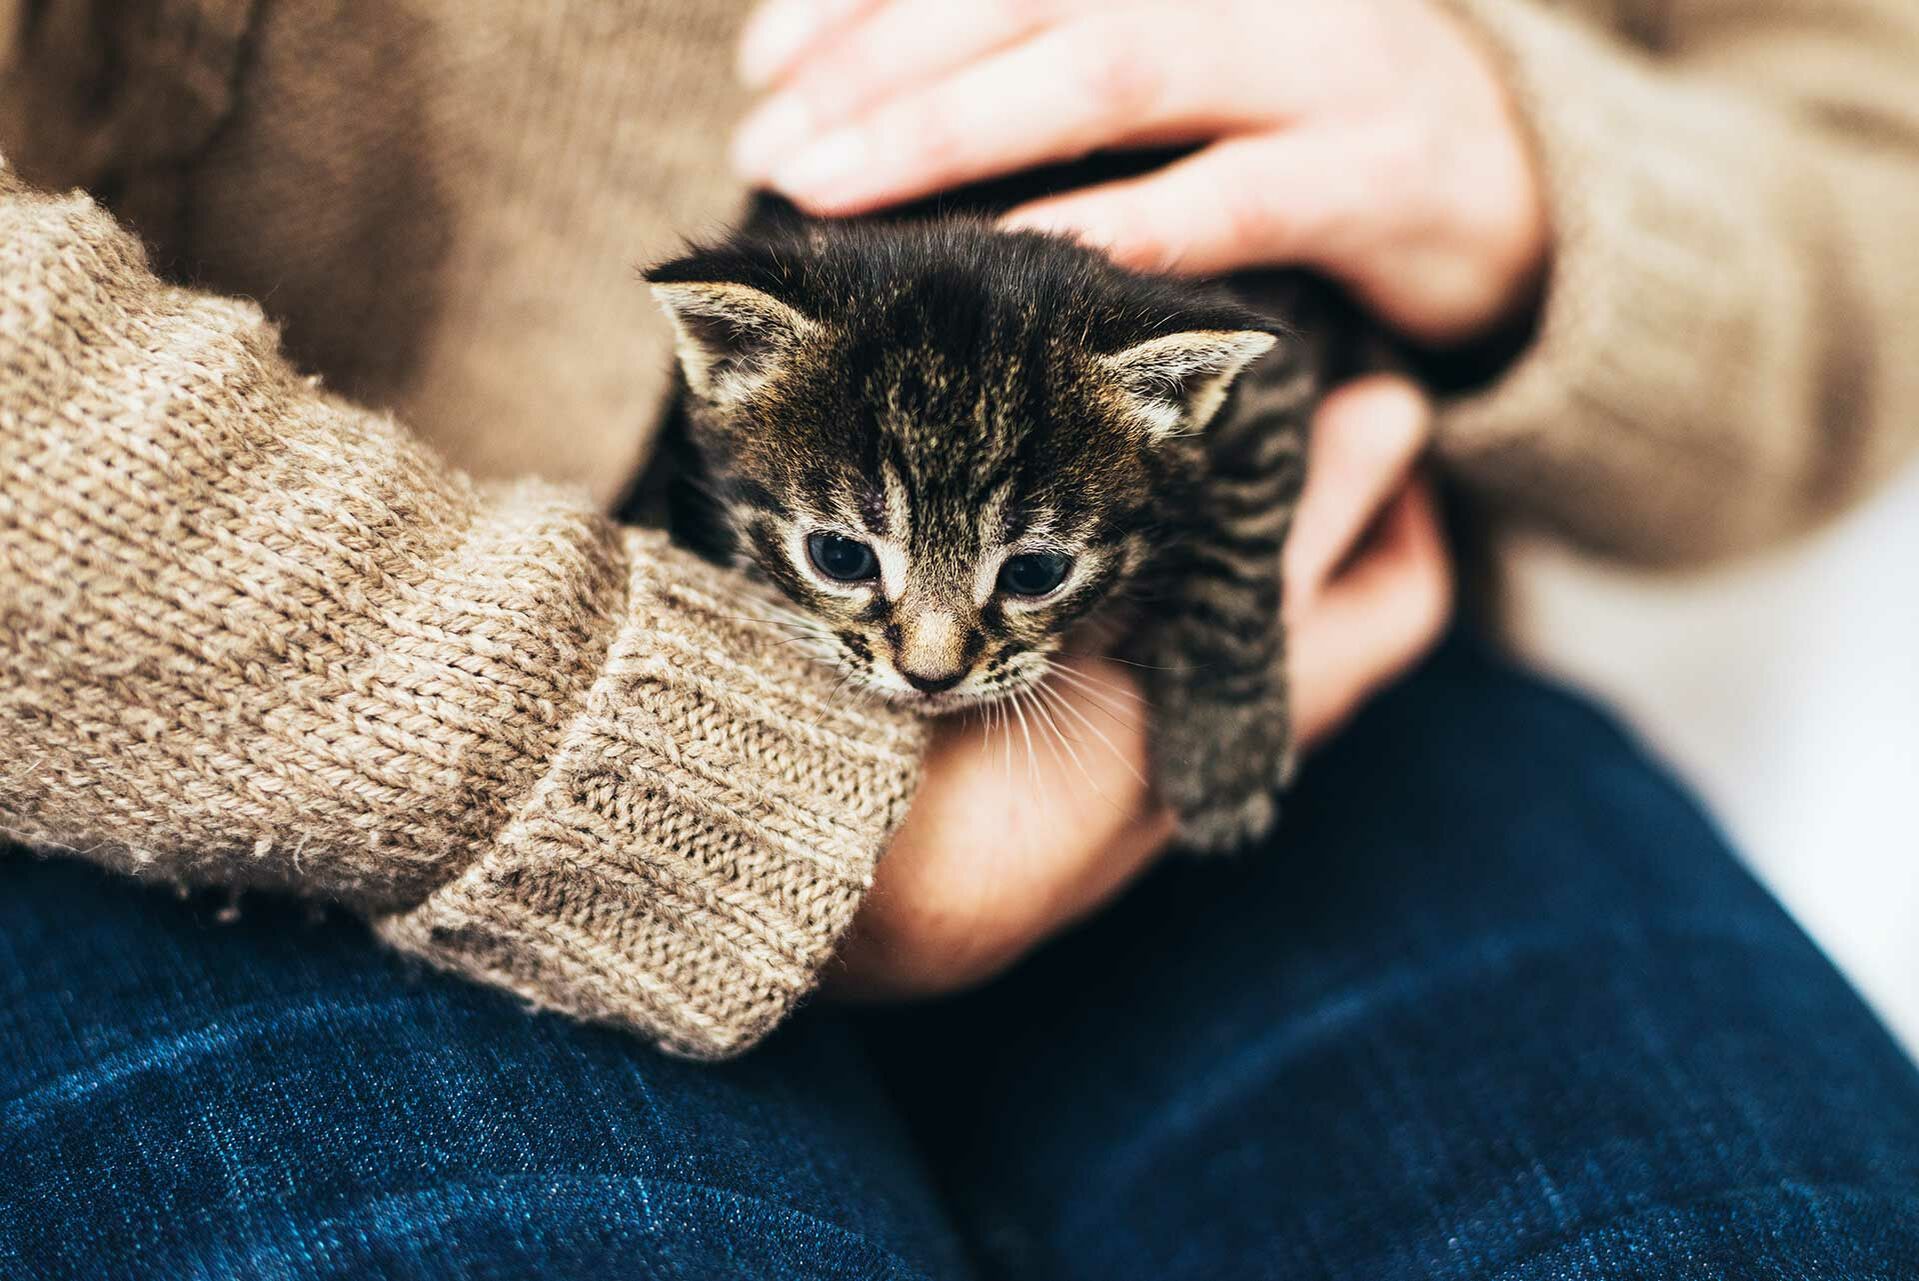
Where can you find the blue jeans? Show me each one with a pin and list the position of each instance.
(1502, 1006)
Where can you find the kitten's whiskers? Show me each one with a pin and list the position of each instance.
(1026, 732)
(1085, 682)
(1064, 741)
(1065, 704)
(1098, 694)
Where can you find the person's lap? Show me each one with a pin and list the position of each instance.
(1501, 1005)
(279, 1098)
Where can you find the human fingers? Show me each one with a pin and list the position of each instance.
(885, 50)
(1279, 196)
(780, 33)
(1096, 81)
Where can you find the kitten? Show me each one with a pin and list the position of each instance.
(952, 447)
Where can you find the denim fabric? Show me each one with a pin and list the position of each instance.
(280, 1098)
(1501, 1006)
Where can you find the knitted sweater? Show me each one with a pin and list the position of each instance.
(281, 604)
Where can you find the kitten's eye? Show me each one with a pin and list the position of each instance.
(1033, 573)
(845, 559)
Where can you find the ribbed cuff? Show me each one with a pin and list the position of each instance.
(1602, 427)
(705, 833)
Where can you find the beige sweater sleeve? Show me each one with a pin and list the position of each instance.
(253, 634)
(1727, 349)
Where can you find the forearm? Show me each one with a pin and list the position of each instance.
(252, 634)
(1720, 358)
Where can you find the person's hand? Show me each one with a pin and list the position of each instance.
(1370, 139)
(1018, 831)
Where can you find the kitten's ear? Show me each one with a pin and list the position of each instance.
(732, 339)
(1178, 382)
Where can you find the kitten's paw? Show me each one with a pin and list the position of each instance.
(1231, 826)
(1220, 766)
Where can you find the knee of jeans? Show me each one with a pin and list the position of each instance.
(1787, 1228)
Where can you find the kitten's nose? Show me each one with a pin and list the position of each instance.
(933, 684)
(929, 649)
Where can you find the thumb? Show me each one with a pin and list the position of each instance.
(1365, 439)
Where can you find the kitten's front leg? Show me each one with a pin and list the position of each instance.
(1221, 741)
(1215, 656)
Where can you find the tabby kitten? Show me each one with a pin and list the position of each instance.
(951, 447)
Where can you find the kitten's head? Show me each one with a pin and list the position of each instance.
(946, 444)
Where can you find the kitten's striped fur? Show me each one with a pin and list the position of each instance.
(949, 396)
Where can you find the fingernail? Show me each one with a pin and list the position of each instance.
(824, 165)
(773, 130)
(776, 33)
(1051, 224)
(1035, 221)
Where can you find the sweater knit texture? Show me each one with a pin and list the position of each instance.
(317, 592)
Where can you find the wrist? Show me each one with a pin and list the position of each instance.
(702, 835)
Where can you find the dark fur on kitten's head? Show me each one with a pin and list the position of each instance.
(910, 427)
